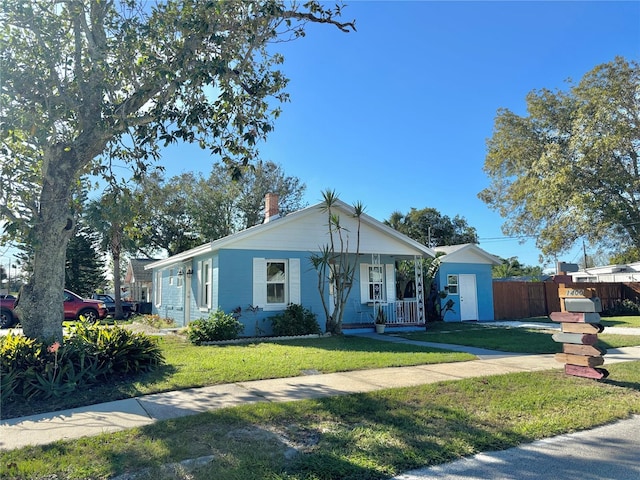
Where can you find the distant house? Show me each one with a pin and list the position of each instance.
(266, 267)
(465, 274)
(138, 282)
(629, 272)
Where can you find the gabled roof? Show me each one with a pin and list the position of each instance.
(282, 222)
(461, 253)
(136, 270)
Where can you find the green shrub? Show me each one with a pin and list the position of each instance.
(295, 320)
(219, 326)
(20, 358)
(622, 307)
(118, 350)
(89, 354)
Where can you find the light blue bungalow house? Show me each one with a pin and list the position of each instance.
(266, 267)
(465, 274)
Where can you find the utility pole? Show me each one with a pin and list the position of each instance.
(584, 252)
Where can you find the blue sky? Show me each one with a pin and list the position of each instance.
(396, 115)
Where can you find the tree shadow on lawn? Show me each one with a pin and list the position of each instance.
(624, 374)
(371, 435)
(107, 390)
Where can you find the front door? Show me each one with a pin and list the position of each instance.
(468, 297)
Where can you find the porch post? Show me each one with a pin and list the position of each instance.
(417, 266)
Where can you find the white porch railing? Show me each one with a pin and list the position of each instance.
(400, 312)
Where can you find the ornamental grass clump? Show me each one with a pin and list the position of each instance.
(32, 370)
(219, 326)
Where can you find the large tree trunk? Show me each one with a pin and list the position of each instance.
(41, 300)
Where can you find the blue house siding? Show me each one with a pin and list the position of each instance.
(235, 288)
(484, 288)
(232, 287)
(172, 303)
(244, 272)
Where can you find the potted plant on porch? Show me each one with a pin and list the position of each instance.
(380, 320)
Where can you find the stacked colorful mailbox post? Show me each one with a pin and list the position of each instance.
(580, 324)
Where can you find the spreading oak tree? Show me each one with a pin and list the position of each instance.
(85, 82)
(429, 227)
(188, 210)
(570, 168)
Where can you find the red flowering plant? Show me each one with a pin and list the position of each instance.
(53, 379)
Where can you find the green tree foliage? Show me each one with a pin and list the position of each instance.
(431, 228)
(112, 218)
(189, 210)
(84, 272)
(166, 222)
(570, 168)
(87, 82)
(511, 267)
(630, 255)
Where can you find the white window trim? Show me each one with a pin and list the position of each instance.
(158, 288)
(204, 285)
(292, 283)
(388, 283)
(278, 305)
(457, 284)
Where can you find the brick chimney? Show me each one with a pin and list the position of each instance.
(271, 209)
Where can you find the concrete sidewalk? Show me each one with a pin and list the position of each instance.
(609, 452)
(135, 412)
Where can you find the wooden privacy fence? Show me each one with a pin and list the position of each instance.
(513, 300)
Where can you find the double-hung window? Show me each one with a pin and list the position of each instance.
(377, 283)
(158, 288)
(452, 284)
(204, 284)
(276, 283)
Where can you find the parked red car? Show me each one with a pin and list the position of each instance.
(74, 307)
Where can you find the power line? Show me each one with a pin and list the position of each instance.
(505, 238)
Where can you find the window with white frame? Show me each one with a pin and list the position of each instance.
(204, 284)
(276, 283)
(158, 289)
(377, 283)
(171, 276)
(452, 284)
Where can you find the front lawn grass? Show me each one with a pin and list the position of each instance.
(190, 366)
(624, 321)
(507, 339)
(363, 436)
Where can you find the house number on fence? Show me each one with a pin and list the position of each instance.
(579, 320)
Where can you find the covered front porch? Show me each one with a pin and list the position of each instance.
(389, 290)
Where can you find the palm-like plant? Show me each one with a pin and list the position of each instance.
(335, 264)
(111, 217)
